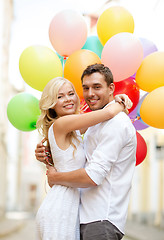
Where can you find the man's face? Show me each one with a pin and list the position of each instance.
(96, 92)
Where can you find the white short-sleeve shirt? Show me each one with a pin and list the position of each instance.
(110, 148)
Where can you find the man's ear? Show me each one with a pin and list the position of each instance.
(111, 88)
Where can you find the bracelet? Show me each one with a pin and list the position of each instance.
(122, 102)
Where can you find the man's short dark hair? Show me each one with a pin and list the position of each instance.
(100, 68)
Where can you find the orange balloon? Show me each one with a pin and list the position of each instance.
(76, 64)
(152, 108)
(150, 74)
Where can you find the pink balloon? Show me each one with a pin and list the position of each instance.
(123, 54)
(67, 32)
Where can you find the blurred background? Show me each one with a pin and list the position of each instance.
(22, 179)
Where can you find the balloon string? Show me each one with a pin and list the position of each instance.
(137, 118)
(84, 106)
(64, 58)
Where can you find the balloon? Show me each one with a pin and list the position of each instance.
(148, 48)
(112, 21)
(129, 87)
(84, 108)
(93, 44)
(137, 123)
(152, 108)
(136, 118)
(141, 150)
(123, 54)
(38, 65)
(23, 111)
(139, 106)
(76, 64)
(67, 32)
(150, 75)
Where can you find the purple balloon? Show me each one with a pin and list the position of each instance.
(139, 125)
(148, 48)
(136, 122)
(133, 114)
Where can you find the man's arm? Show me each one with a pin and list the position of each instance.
(40, 152)
(103, 157)
(75, 179)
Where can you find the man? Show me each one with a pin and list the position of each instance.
(110, 149)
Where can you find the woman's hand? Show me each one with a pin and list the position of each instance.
(125, 100)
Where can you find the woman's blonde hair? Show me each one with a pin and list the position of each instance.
(48, 100)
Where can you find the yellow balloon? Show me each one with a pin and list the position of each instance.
(152, 108)
(150, 74)
(38, 65)
(112, 21)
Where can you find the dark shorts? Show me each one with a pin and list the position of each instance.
(100, 230)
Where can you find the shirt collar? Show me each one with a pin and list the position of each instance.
(113, 101)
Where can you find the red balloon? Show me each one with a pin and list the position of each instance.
(130, 88)
(141, 151)
(84, 108)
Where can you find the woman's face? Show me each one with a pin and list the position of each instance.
(67, 102)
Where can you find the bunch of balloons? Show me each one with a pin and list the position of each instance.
(136, 65)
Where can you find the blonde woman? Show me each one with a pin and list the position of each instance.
(60, 123)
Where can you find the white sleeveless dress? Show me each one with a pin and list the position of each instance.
(58, 215)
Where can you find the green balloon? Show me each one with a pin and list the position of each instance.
(93, 44)
(23, 111)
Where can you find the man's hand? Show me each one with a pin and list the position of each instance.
(42, 153)
(50, 175)
(76, 179)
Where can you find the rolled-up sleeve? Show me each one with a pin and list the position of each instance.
(106, 153)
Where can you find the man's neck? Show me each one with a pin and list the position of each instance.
(110, 101)
(111, 98)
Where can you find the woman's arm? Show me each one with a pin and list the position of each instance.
(73, 122)
(121, 98)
